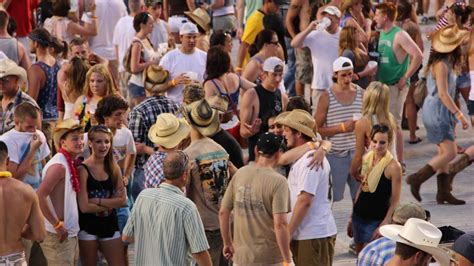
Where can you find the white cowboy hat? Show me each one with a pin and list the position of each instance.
(168, 130)
(10, 68)
(419, 234)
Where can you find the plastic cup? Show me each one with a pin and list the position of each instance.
(372, 64)
(356, 116)
(192, 75)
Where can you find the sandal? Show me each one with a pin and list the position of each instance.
(417, 140)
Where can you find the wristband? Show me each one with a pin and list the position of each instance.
(238, 69)
(343, 127)
(173, 82)
(459, 115)
(59, 225)
(311, 145)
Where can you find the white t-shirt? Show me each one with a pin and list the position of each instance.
(159, 34)
(123, 35)
(324, 51)
(123, 144)
(109, 13)
(18, 144)
(318, 221)
(176, 62)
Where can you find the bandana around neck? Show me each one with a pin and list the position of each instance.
(72, 167)
(371, 172)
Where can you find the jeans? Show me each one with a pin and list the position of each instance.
(289, 78)
(138, 183)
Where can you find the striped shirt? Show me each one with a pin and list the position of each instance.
(377, 252)
(338, 113)
(166, 227)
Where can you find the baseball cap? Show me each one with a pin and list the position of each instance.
(271, 64)
(342, 63)
(269, 143)
(464, 245)
(406, 211)
(153, 2)
(188, 28)
(332, 10)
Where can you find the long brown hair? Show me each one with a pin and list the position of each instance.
(347, 40)
(454, 59)
(110, 165)
(76, 77)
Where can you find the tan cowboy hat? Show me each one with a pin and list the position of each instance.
(200, 17)
(419, 234)
(10, 68)
(448, 38)
(64, 127)
(168, 130)
(153, 76)
(202, 117)
(299, 120)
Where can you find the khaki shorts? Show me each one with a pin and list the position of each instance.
(65, 253)
(224, 23)
(304, 66)
(318, 251)
(17, 259)
(312, 97)
(396, 102)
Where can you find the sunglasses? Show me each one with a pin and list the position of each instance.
(4, 80)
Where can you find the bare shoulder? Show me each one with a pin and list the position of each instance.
(56, 170)
(18, 187)
(394, 169)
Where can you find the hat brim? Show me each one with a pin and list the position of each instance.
(16, 71)
(199, 21)
(209, 130)
(440, 47)
(392, 231)
(172, 140)
(60, 132)
(292, 124)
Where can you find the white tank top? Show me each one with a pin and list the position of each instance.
(71, 215)
(148, 54)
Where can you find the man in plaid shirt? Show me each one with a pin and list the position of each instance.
(140, 120)
(380, 251)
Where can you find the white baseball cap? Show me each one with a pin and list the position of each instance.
(342, 63)
(188, 28)
(332, 10)
(271, 63)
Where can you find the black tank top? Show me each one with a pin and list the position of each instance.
(101, 224)
(270, 103)
(177, 7)
(374, 206)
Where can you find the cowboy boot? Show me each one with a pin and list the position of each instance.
(415, 180)
(444, 195)
(457, 166)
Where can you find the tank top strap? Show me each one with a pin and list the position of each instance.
(218, 87)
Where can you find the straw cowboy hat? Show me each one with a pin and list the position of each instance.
(10, 68)
(299, 120)
(168, 130)
(200, 17)
(153, 76)
(419, 234)
(64, 127)
(203, 117)
(448, 38)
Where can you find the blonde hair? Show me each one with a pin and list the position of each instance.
(376, 102)
(347, 40)
(109, 83)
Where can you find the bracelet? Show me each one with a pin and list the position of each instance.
(343, 127)
(58, 225)
(458, 115)
(238, 69)
(173, 83)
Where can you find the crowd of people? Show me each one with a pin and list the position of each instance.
(129, 132)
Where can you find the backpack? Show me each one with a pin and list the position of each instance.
(128, 56)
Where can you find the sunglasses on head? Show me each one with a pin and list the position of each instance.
(99, 128)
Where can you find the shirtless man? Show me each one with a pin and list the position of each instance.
(20, 215)
(400, 57)
(300, 10)
(57, 196)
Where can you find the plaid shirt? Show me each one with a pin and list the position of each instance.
(143, 116)
(154, 174)
(6, 116)
(377, 252)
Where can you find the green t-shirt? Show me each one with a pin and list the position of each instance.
(390, 70)
(250, 7)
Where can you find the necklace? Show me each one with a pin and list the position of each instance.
(5, 174)
(72, 167)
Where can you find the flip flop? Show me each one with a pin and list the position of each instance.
(417, 140)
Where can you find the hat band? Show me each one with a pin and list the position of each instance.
(201, 123)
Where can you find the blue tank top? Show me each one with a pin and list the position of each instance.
(47, 95)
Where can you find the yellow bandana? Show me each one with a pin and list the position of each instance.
(5, 174)
(371, 173)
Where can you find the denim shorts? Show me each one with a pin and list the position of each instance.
(463, 81)
(122, 217)
(135, 91)
(363, 229)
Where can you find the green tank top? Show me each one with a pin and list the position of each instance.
(250, 7)
(390, 71)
